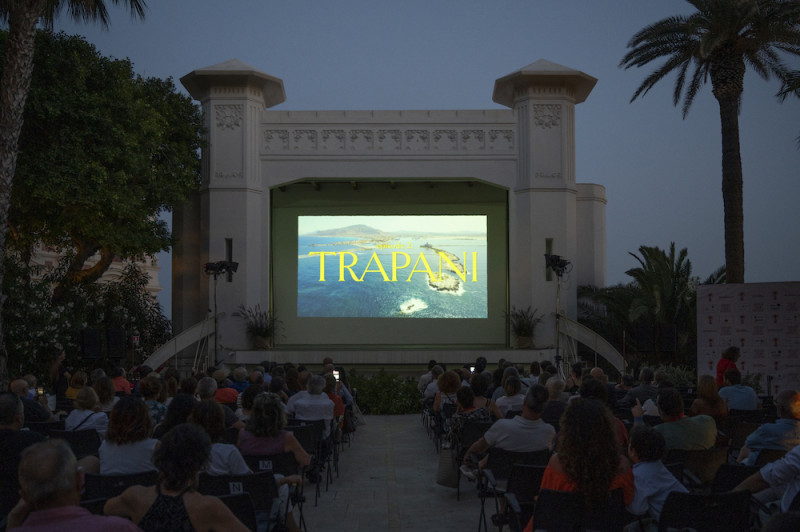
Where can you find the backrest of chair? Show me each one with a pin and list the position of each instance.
(95, 506)
(261, 487)
(308, 436)
(524, 481)
(676, 468)
(701, 512)
(472, 431)
(501, 461)
(281, 463)
(511, 414)
(44, 427)
(97, 486)
(701, 463)
(563, 510)
(448, 409)
(82, 442)
(731, 475)
(740, 431)
(241, 505)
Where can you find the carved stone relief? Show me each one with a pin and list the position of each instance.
(445, 140)
(546, 116)
(229, 116)
(276, 140)
(332, 140)
(417, 140)
(388, 140)
(305, 140)
(473, 139)
(501, 139)
(361, 139)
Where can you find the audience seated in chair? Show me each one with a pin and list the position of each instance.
(644, 391)
(556, 404)
(685, 433)
(652, 479)
(34, 411)
(779, 480)
(225, 458)
(523, 433)
(178, 411)
(315, 405)
(173, 504)
(206, 391)
(737, 395)
(264, 432)
(51, 483)
(106, 395)
(86, 414)
(511, 400)
(447, 384)
(465, 411)
(150, 388)
(783, 435)
(128, 447)
(708, 401)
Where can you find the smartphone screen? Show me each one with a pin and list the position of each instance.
(336, 374)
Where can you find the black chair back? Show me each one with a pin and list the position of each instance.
(261, 486)
(282, 463)
(82, 442)
(500, 462)
(731, 475)
(706, 512)
(107, 486)
(242, 507)
(44, 427)
(563, 510)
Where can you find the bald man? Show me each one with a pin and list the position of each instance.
(34, 411)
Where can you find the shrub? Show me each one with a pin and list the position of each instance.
(386, 394)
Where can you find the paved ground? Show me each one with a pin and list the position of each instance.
(387, 482)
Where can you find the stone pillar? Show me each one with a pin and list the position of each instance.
(542, 215)
(228, 219)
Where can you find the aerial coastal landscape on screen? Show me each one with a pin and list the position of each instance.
(411, 266)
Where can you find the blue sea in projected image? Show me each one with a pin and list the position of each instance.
(376, 298)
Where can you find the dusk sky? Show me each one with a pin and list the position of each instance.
(662, 173)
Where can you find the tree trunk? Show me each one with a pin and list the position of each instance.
(732, 197)
(23, 15)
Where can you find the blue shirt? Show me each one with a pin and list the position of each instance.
(739, 397)
(653, 483)
(782, 435)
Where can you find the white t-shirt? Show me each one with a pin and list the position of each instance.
(226, 459)
(520, 435)
(87, 419)
(136, 457)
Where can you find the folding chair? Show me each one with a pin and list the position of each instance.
(309, 436)
(281, 464)
(564, 510)
(492, 479)
(82, 442)
(261, 487)
(521, 492)
(471, 432)
(241, 505)
(731, 475)
(44, 427)
(699, 466)
(99, 486)
(706, 512)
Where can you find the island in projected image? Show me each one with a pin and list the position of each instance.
(419, 266)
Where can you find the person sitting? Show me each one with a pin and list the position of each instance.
(173, 504)
(338, 403)
(225, 458)
(50, 485)
(34, 411)
(737, 395)
(13, 440)
(433, 386)
(556, 404)
(466, 410)
(480, 386)
(239, 379)
(128, 447)
(78, 380)
(783, 435)
(708, 401)
(225, 394)
(652, 479)
(508, 372)
(87, 414)
(685, 433)
(448, 384)
(121, 384)
(263, 433)
(591, 388)
(315, 405)
(624, 385)
(511, 401)
(587, 458)
(778, 480)
(178, 411)
(247, 397)
(611, 397)
(523, 433)
(150, 388)
(207, 390)
(644, 391)
(106, 394)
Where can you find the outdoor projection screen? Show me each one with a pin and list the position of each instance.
(415, 265)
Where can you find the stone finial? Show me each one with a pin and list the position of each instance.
(234, 73)
(546, 74)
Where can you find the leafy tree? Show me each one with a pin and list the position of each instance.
(791, 85)
(22, 17)
(719, 41)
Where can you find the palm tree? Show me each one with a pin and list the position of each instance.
(791, 85)
(23, 16)
(720, 40)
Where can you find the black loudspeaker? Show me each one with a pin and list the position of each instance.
(115, 342)
(91, 344)
(644, 338)
(667, 338)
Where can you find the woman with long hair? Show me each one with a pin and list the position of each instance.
(225, 458)
(263, 432)
(128, 447)
(178, 411)
(87, 413)
(173, 504)
(708, 400)
(106, 394)
(448, 382)
(587, 460)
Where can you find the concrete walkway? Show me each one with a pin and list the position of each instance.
(387, 482)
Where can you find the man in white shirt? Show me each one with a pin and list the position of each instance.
(315, 405)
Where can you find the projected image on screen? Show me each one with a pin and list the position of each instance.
(415, 266)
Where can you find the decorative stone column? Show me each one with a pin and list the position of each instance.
(542, 215)
(230, 209)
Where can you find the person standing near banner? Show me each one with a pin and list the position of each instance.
(728, 361)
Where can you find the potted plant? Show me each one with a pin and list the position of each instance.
(523, 326)
(259, 325)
